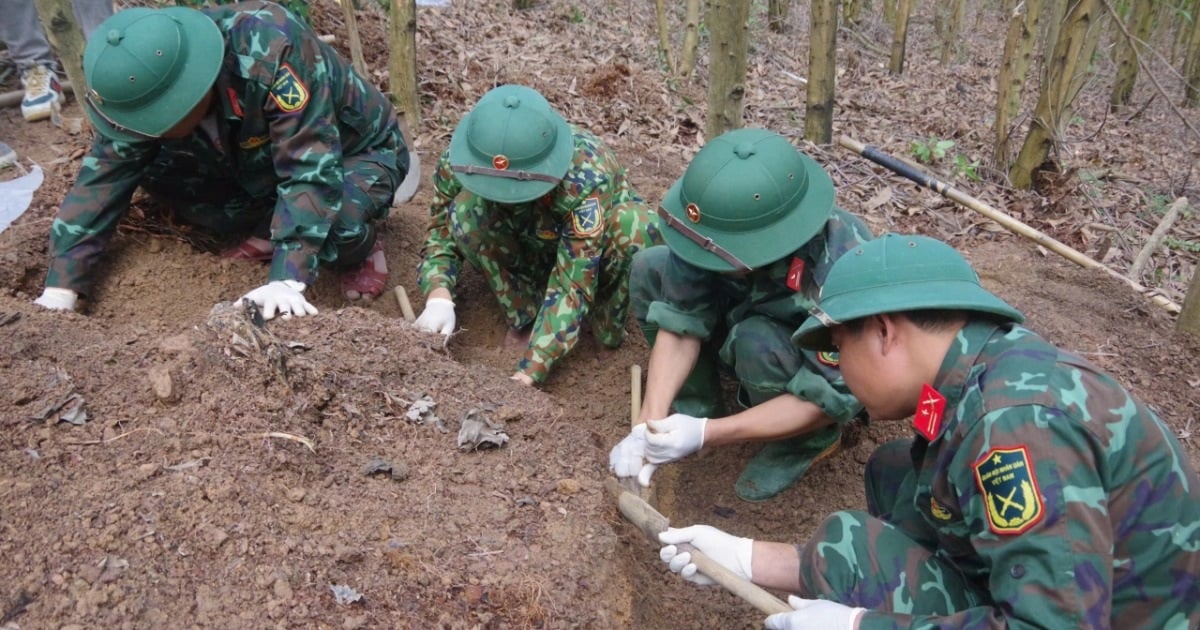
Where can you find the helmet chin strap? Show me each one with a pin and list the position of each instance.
(524, 176)
(705, 243)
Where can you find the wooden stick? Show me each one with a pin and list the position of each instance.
(635, 396)
(1006, 221)
(1156, 237)
(406, 308)
(651, 522)
(356, 49)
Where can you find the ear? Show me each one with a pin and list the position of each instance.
(888, 332)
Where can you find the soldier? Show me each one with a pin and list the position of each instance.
(241, 121)
(542, 208)
(1036, 491)
(752, 231)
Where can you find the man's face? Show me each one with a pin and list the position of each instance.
(185, 127)
(873, 362)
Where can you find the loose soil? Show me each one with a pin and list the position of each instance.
(221, 476)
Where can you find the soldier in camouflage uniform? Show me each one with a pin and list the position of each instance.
(1036, 491)
(752, 230)
(242, 121)
(542, 208)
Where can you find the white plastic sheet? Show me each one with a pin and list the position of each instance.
(17, 194)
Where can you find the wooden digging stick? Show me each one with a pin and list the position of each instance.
(630, 484)
(1006, 221)
(406, 308)
(651, 522)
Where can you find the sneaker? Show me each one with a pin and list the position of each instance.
(42, 90)
(8, 157)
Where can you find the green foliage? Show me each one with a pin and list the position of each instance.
(576, 16)
(965, 167)
(1182, 244)
(931, 150)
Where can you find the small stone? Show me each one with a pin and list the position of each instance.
(296, 495)
(568, 486)
(161, 382)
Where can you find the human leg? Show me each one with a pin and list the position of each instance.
(860, 560)
(369, 185)
(634, 228)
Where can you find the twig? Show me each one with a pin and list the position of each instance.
(287, 436)
(1157, 236)
(405, 306)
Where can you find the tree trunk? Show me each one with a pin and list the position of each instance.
(947, 23)
(899, 41)
(822, 65)
(1140, 25)
(691, 38)
(728, 22)
(1189, 317)
(1014, 69)
(402, 65)
(1067, 70)
(665, 54)
(777, 14)
(852, 11)
(356, 50)
(889, 11)
(1191, 65)
(1053, 12)
(58, 19)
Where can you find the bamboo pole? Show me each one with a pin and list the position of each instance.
(1006, 221)
(406, 308)
(630, 484)
(651, 522)
(356, 49)
(1156, 237)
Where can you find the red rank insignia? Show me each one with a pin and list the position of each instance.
(233, 103)
(795, 274)
(928, 419)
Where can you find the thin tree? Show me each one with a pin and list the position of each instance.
(822, 65)
(947, 24)
(402, 64)
(728, 23)
(777, 14)
(1014, 69)
(665, 53)
(1140, 24)
(1191, 64)
(1053, 12)
(852, 11)
(58, 20)
(889, 11)
(1067, 70)
(1189, 316)
(900, 39)
(691, 37)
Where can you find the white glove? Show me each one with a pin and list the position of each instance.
(729, 551)
(285, 297)
(57, 299)
(627, 457)
(438, 316)
(674, 437)
(817, 614)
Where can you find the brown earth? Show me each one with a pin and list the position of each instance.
(219, 478)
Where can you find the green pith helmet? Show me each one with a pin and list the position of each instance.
(747, 199)
(512, 146)
(892, 274)
(147, 68)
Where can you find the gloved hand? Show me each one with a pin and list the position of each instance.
(729, 551)
(285, 297)
(438, 316)
(627, 457)
(674, 437)
(57, 299)
(815, 614)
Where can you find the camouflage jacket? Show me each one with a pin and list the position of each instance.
(698, 303)
(287, 109)
(1051, 488)
(571, 287)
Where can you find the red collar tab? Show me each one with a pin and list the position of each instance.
(795, 274)
(928, 419)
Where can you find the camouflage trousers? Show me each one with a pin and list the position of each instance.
(215, 202)
(517, 258)
(884, 559)
(758, 349)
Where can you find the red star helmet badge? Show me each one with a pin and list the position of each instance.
(928, 418)
(500, 162)
(693, 212)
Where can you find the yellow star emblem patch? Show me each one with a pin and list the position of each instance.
(288, 91)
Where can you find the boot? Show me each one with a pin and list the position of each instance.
(700, 395)
(780, 464)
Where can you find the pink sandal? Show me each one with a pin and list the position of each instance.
(251, 249)
(370, 279)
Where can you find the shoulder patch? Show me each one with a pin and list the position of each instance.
(586, 219)
(288, 91)
(1011, 496)
(828, 358)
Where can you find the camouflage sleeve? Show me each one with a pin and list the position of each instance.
(571, 288)
(820, 382)
(687, 303)
(1037, 514)
(440, 260)
(91, 210)
(301, 113)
